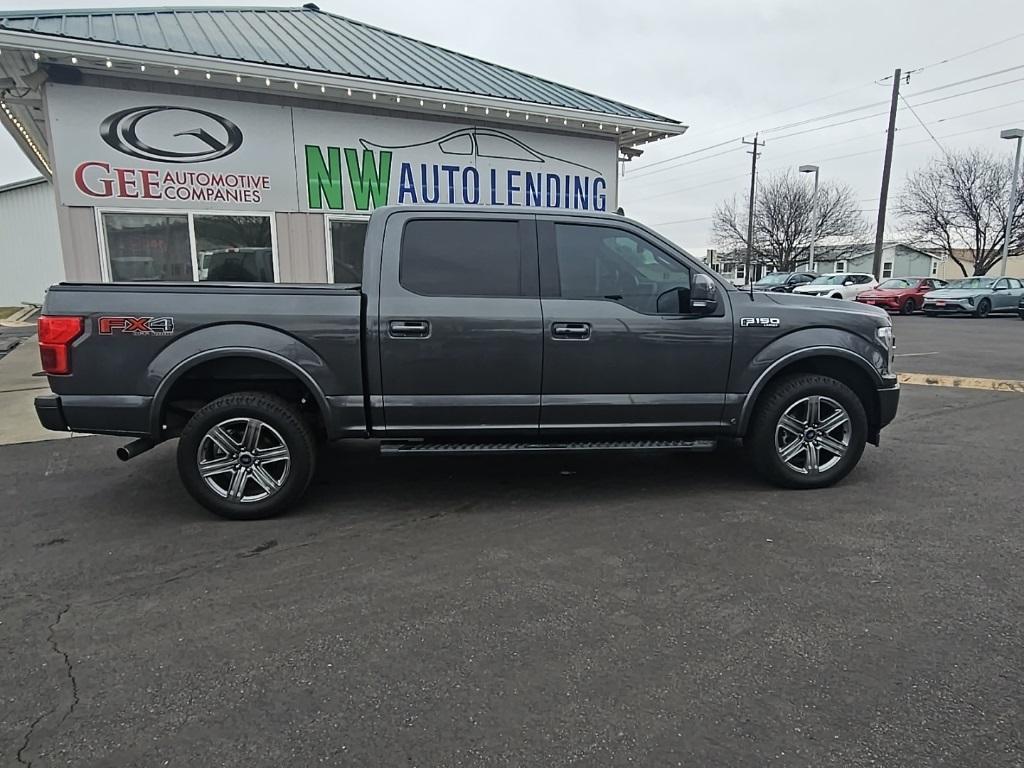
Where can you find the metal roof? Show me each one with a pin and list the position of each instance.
(22, 184)
(311, 40)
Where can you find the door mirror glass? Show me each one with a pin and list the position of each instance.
(703, 295)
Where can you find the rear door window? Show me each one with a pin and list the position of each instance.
(453, 257)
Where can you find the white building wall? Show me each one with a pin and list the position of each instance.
(30, 253)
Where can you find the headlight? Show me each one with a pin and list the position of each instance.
(885, 335)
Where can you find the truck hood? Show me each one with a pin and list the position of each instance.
(766, 300)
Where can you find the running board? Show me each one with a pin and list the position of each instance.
(575, 446)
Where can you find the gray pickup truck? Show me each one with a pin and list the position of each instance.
(473, 331)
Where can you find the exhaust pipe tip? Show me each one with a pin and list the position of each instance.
(134, 448)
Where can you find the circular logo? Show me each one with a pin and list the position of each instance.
(171, 134)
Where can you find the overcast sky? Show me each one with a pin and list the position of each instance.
(727, 68)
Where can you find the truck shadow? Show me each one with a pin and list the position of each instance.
(357, 481)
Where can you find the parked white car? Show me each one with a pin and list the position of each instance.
(838, 285)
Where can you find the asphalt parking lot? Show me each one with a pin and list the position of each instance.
(644, 611)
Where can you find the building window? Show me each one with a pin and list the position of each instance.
(935, 267)
(188, 246)
(840, 266)
(234, 249)
(147, 246)
(886, 269)
(741, 271)
(347, 237)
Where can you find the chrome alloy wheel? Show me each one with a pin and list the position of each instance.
(813, 435)
(243, 459)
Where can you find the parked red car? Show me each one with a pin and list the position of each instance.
(901, 294)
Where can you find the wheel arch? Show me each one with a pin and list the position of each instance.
(179, 373)
(837, 363)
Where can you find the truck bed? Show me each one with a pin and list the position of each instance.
(140, 338)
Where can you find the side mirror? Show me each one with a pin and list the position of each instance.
(848, 281)
(703, 295)
(999, 287)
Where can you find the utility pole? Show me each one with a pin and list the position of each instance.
(750, 212)
(883, 198)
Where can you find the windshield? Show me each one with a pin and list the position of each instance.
(892, 285)
(973, 282)
(776, 278)
(828, 280)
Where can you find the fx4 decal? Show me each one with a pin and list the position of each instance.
(136, 326)
(759, 322)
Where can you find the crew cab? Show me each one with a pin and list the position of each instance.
(472, 331)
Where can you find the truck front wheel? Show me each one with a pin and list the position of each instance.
(246, 456)
(809, 431)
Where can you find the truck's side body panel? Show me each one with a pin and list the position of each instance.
(633, 371)
(460, 364)
(120, 375)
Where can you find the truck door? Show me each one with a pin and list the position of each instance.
(459, 324)
(622, 350)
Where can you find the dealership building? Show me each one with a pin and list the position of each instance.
(248, 144)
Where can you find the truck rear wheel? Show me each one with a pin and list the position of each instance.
(246, 456)
(809, 431)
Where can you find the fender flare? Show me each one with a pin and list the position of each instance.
(184, 366)
(801, 354)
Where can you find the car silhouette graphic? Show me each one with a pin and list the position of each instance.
(486, 143)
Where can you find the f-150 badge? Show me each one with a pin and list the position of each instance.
(759, 322)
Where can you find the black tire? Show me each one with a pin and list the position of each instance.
(984, 307)
(836, 296)
(780, 397)
(908, 307)
(286, 426)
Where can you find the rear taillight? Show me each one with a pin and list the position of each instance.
(55, 337)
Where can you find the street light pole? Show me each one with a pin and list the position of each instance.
(814, 212)
(1011, 207)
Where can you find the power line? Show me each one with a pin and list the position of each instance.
(923, 125)
(823, 159)
(681, 221)
(856, 119)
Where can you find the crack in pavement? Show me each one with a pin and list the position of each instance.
(69, 671)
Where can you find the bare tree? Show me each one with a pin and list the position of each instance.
(957, 203)
(783, 221)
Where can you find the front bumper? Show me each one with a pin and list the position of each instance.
(889, 304)
(888, 403)
(948, 306)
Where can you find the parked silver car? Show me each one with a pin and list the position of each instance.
(976, 296)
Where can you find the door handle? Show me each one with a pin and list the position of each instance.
(576, 331)
(409, 329)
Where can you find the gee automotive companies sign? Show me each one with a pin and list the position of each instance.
(157, 151)
(122, 148)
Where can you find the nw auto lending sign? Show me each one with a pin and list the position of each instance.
(138, 150)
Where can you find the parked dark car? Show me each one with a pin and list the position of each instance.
(1020, 308)
(783, 282)
(978, 296)
(474, 331)
(901, 294)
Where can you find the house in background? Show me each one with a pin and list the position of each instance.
(949, 270)
(30, 255)
(898, 260)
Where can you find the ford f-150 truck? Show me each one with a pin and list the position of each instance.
(472, 331)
